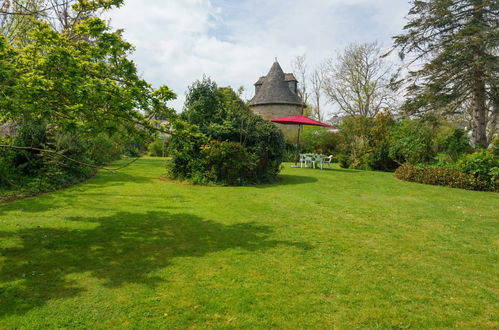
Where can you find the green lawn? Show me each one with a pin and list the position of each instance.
(322, 249)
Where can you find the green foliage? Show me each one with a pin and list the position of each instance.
(343, 160)
(380, 134)
(228, 163)
(216, 115)
(411, 142)
(157, 148)
(202, 104)
(444, 176)
(319, 140)
(355, 135)
(495, 146)
(365, 142)
(452, 141)
(75, 94)
(457, 40)
(483, 164)
(291, 153)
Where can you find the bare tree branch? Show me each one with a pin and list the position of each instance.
(358, 80)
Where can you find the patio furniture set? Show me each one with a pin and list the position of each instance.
(313, 160)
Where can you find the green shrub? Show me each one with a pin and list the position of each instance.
(319, 140)
(291, 153)
(228, 163)
(157, 148)
(443, 176)
(231, 133)
(343, 160)
(456, 144)
(411, 142)
(380, 134)
(495, 146)
(367, 142)
(31, 171)
(482, 164)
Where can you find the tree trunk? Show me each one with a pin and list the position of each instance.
(479, 114)
(479, 91)
(493, 113)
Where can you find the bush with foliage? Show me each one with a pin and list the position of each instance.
(354, 146)
(291, 153)
(222, 141)
(483, 164)
(228, 163)
(495, 146)
(451, 142)
(365, 142)
(381, 141)
(443, 176)
(319, 140)
(158, 148)
(411, 142)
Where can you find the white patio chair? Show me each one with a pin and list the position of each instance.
(327, 160)
(318, 159)
(309, 160)
(302, 160)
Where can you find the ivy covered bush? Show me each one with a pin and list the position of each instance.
(222, 141)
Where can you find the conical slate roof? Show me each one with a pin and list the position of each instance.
(274, 89)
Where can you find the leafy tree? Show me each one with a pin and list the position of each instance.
(355, 132)
(222, 141)
(74, 97)
(19, 17)
(457, 43)
(202, 104)
(366, 142)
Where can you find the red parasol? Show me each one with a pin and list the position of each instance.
(299, 120)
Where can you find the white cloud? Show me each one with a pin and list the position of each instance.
(234, 42)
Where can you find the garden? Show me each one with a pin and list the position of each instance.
(117, 211)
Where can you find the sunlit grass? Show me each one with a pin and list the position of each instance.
(321, 249)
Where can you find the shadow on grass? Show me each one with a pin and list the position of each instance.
(124, 248)
(289, 179)
(45, 201)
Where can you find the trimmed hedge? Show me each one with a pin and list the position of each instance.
(444, 176)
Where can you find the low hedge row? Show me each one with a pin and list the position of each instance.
(444, 176)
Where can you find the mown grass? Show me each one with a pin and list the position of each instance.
(322, 249)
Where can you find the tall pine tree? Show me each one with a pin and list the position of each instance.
(457, 43)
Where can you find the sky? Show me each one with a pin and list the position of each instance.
(236, 41)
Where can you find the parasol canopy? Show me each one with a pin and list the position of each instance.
(299, 120)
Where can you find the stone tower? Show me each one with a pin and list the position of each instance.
(276, 95)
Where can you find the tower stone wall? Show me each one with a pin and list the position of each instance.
(275, 97)
(271, 111)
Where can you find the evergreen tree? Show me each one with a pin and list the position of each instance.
(457, 43)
